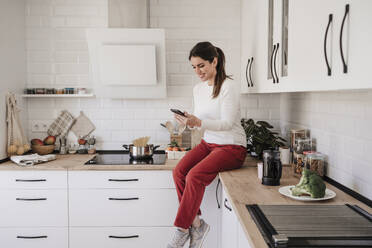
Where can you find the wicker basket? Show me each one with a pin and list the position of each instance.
(43, 150)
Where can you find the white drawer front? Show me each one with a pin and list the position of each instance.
(23, 208)
(33, 179)
(34, 237)
(127, 207)
(119, 237)
(121, 179)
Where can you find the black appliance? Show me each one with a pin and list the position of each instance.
(289, 226)
(272, 168)
(124, 158)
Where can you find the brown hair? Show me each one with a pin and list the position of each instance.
(207, 51)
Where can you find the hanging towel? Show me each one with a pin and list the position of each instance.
(83, 126)
(62, 124)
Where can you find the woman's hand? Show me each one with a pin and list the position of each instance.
(189, 120)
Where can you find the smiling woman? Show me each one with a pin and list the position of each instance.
(223, 147)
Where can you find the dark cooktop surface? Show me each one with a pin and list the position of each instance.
(123, 158)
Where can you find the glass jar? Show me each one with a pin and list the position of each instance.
(315, 162)
(298, 134)
(302, 145)
(298, 163)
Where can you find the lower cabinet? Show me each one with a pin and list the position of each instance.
(119, 237)
(35, 237)
(232, 233)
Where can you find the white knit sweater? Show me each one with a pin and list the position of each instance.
(220, 116)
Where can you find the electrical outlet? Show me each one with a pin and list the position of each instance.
(40, 126)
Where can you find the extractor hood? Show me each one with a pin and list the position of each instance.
(127, 63)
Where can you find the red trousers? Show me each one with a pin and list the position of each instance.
(196, 170)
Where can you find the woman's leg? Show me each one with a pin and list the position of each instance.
(186, 164)
(221, 158)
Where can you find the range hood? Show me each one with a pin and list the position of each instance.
(127, 63)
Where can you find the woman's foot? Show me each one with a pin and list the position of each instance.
(198, 234)
(179, 239)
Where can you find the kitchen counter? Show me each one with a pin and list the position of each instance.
(243, 187)
(77, 162)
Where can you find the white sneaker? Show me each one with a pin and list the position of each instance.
(179, 239)
(198, 234)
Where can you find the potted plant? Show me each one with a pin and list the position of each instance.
(260, 137)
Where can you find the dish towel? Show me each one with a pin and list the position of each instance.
(82, 126)
(29, 160)
(62, 124)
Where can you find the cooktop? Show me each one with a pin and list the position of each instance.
(123, 158)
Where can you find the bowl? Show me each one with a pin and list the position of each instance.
(43, 150)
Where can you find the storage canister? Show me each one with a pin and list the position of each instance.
(315, 162)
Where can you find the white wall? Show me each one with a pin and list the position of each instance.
(341, 123)
(57, 57)
(12, 60)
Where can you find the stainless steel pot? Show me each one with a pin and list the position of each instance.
(141, 152)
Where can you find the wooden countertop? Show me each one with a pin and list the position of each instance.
(77, 162)
(243, 187)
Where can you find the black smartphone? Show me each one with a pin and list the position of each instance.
(177, 111)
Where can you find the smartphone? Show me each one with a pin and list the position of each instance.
(177, 111)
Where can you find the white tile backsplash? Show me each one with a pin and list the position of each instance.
(341, 123)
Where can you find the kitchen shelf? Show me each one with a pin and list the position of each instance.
(57, 95)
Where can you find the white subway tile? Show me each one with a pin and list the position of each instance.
(72, 68)
(39, 68)
(112, 124)
(133, 124)
(66, 80)
(112, 103)
(71, 45)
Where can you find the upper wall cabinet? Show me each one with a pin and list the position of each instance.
(254, 37)
(128, 63)
(323, 45)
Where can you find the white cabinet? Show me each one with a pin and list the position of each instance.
(254, 54)
(33, 209)
(328, 44)
(242, 238)
(35, 237)
(119, 237)
(229, 224)
(211, 214)
(232, 233)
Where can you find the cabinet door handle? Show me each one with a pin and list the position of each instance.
(225, 204)
(32, 237)
(218, 202)
(276, 52)
(30, 180)
(246, 72)
(124, 180)
(31, 199)
(123, 237)
(250, 72)
(330, 19)
(341, 35)
(123, 199)
(272, 63)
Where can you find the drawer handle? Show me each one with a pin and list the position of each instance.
(329, 69)
(30, 180)
(341, 34)
(31, 199)
(32, 237)
(229, 208)
(124, 180)
(123, 237)
(123, 199)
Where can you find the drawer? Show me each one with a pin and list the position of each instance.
(119, 237)
(33, 179)
(35, 237)
(121, 179)
(25, 208)
(122, 207)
